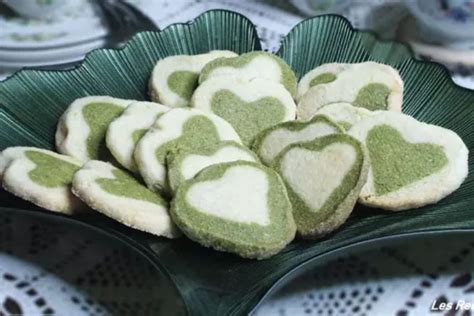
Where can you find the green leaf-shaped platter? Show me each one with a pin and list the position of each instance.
(210, 282)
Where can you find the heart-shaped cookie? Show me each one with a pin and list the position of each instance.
(323, 177)
(125, 131)
(412, 163)
(249, 106)
(174, 78)
(239, 207)
(175, 129)
(41, 177)
(270, 142)
(81, 129)
(344, 114)
(120, 196)
(184, 164)
(249, 66)
(368, 85)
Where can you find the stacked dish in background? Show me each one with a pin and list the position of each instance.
(74, 30)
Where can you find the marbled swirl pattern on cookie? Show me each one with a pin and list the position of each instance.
(81, 129)
(186, 163)
(367, 85)
(125, 131)
(177, 128)
(174, 78)
(263, 65)
(239, 207)
(324, 178)
(249, 106)
(120, 196)
(269, 143)
(411, 163)
(40, 176)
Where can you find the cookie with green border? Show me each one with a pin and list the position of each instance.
(412, 164)
(179, 128)
(239, 207)
(323, 178)
(368, 85)
(118, 195)
(325, 73)
(125, 131)
(263, 65)
(40, 176)
(174, 78)
(185, 164)
(269, 143)
(82, 127)
(249, 106)
(344, 114)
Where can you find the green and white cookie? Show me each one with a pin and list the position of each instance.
(269, 143)
(180, 128)
(344, 114)
(118, 195)
(249, 106)
(240, 207)
(40, 176)
(412, 164)
(263, 65)
(324, 178)
(174, 78)
(81, 129)
(185, 164)
(320, 75)
(125, 131)
(367, 85)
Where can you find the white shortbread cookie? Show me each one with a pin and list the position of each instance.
(252, 65)
(125, 131)
(40, 176)
(185, 164)
(118, 195)
(412, 163)
(82, 127)
(174, 78)
(249, 106)
(344, 114)
(269, 143)
(370, 85)
(177, 128)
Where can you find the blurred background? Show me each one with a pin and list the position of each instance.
(52, 32)
(49, 268)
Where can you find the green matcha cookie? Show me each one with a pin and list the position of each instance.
(81, 129)
(344, 114)
(125, 131)
(118, 195)
(239, 207)
(185, 164)
(263, 65)
(249, 106)
(368, 85)
(412, 164)
(179, 128)
(324, 178)
(269, 143)
(174, 78)
(40, 176)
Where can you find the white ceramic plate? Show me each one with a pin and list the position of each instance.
(77, 22)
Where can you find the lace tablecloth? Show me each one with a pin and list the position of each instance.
(48, 270)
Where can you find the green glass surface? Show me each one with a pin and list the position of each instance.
(210, 282)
